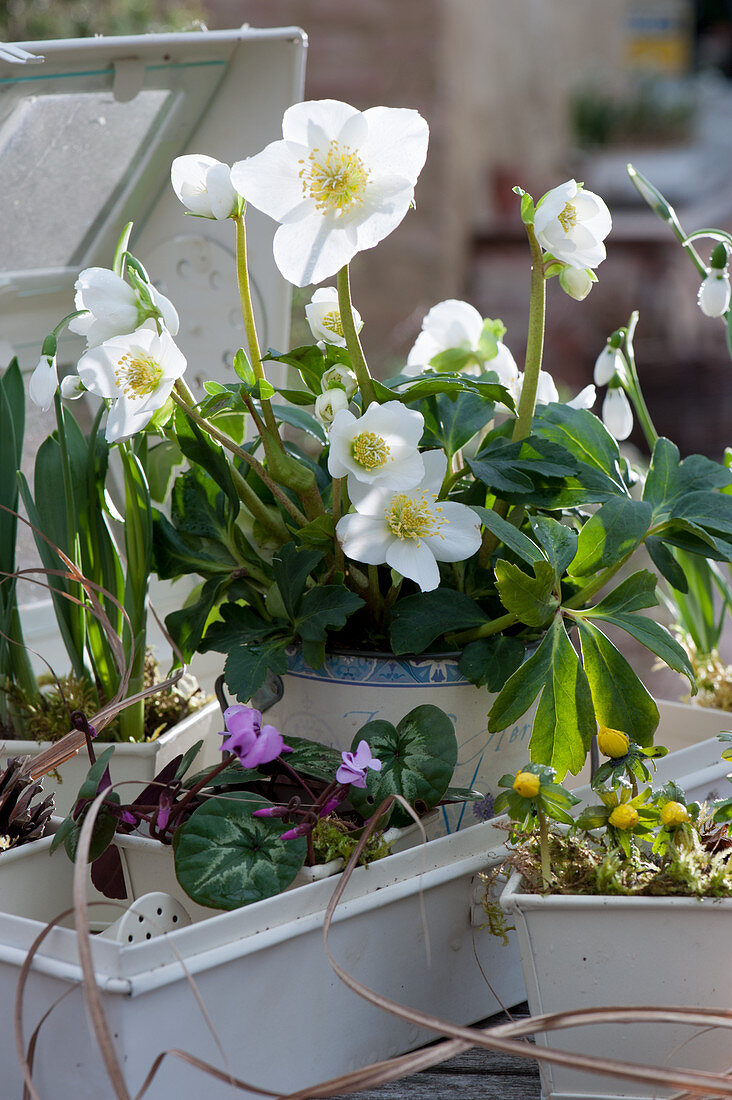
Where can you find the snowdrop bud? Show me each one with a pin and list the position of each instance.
(577, 283)
(617, 415)
(44, 382)
(328, 404)
(608, 364)
(72, 387)
(339, 377)
(714, 294)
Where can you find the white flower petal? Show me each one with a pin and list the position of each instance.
(572, 223)
(459, 537)
(221, 193)
(364, 538)
(414, 559)
(188, 177)
(617, 415)
(585, 399)
(270, 181)
(43, 383)
(454, 324)
(311, 250)
(329, 114)
(397, 141)
(167, 309)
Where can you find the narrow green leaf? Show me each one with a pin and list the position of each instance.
(666, 563)
(510, 536)
(565, 719)
(635, 592)
(609, 535)
(656, 638)
(621, 701)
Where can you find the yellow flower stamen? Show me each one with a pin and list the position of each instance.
(337, 181)
(413, 517)
(332, 321)
(673, 814)
(527, 784)
(624, 816)
(138, 375)
(370, 450)
(568, 217)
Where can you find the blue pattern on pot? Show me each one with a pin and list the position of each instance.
(331, 704)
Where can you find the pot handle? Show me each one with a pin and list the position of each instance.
(270, 692)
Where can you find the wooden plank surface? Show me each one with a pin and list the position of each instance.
(475, 1075)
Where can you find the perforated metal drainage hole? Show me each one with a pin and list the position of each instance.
(130, 939)
(159, 912)
(140, 920)
(175, 918)
(148, 935)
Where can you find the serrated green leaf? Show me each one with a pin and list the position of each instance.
(531, 599)
(620, 699)
(206, 454)
(565, 719)
(247, 666)
(510, 536)
(612, 533)
(457, 420)
(517, 695)
(669, 480)
(584, 436)
(291, 567)
(319, 534)
(238, 626)
(558, 541)
(225, 858)
(327, 606)
(418, 758)
(418, 620)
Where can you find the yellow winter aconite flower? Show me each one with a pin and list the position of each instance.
(612, 743)
(527, 784)
(624, 816)
(674, 813)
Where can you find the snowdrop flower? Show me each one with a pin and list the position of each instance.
(353, 768)
(609, 363)
(407, 529)
(380, 446)
(114, 308)
(714, 293)
(328, 404)
(339, 377)
(338, 183)
(455, 324)
(324, 317)
(204, 186)
(72, 389)
(137, 371)
(617, 415)
(571, 224)
(44, 382)
(245, 736)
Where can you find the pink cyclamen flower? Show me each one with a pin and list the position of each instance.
(353, 768)
(245, 736)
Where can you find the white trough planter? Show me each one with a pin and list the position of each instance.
(261, 971)
(131, 760)
(580, 952)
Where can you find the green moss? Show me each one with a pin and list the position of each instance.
(332, 839)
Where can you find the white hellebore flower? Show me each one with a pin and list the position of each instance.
(328, 403)
(338, 182)
(571, 224)
(204, 186)
(609, 363)
(72, 387)
(44, 382)
(339, 377)
(408, 529)
(455, 324)
(114, 308)
(714, 293)
(378, 447)
(617, 415)
(546, 392)
(138, 372)
(324, 317)
(577, 282)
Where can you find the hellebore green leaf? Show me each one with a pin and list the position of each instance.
(510, 536)
(205, 453)
(418, 620)
(239, 626)
(488, 662)
(298, 418)
(654, 637)
(705, 509)
(666, 563)
(319, 534)
(521, 467)
(188, 623)
(636, 591)
(613, 532)
(519, 692)
(458, 420)
(584, 436)
(324, 607)
(225, 858)
(621, 701)
(247, 666)
(176, 556)
(558, 541)
(530, 599)
(291, 567)
(243, 368)
(159, 465)
(669, 480)
(418, 758)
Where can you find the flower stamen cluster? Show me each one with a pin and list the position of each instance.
(337, 181)
(137, 375)
(412, 517)
(370, 450)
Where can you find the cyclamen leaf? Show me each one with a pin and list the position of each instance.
(621, 701)
(225, 858)
(531, 599)
(418, 758)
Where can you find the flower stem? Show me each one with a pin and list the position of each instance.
(535, 341)
(245, 456)
(337, 505)
(546, 871)
(374, 595)
(494, 627)
(633, 388)
(247, 310)
(358, 360)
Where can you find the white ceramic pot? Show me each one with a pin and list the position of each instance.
(579, 952)
(269, 1025)
(330, 704)
(132, 760)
